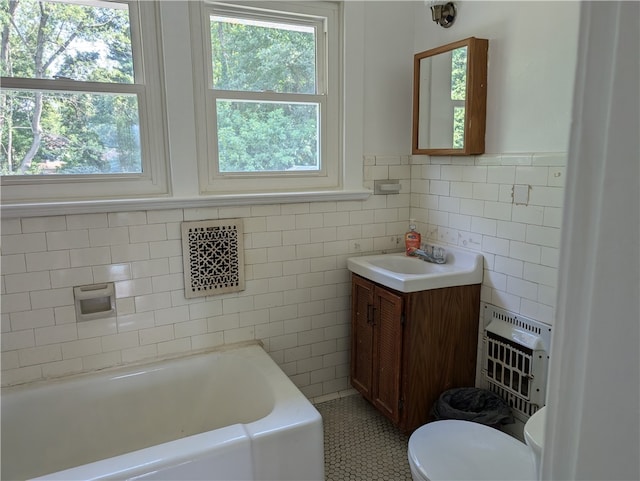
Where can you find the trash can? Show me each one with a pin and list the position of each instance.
(473, 404)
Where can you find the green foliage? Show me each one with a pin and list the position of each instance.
(264, 136)
(458, 92)
(258, 137)
(257, 58)
(70, 132)
(459, 73)
(458, 127)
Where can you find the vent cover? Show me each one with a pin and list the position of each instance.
(515, 359)
(213, 257)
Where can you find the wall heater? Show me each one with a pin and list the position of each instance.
(515, 359)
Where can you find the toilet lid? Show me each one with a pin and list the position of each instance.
(462, 450)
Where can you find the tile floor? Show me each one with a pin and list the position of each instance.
(360, 444)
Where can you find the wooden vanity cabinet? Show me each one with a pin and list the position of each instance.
(407, 348)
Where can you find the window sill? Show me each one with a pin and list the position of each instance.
(127, 205)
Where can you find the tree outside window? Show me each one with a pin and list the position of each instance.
(69, 103)
(259, 68)
(458, 94)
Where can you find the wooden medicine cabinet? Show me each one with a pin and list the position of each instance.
(450, 98)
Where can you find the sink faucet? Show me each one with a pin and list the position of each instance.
(429, 253)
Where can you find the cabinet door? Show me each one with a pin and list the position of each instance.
(441, 342)
(362, 335)
(388, 352)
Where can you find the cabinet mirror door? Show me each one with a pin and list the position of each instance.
(450, 98)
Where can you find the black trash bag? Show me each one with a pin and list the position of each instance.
(473, 404)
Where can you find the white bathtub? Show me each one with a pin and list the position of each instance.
(224, 415)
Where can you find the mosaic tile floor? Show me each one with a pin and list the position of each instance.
(360, 444)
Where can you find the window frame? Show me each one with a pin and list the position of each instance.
(328, 98)
(148, 87)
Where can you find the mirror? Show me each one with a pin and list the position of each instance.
(450, 98)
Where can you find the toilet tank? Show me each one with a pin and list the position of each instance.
(534, 436)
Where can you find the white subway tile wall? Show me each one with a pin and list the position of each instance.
(297, 297)
(468, 202)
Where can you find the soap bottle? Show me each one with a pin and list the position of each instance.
(412, 238)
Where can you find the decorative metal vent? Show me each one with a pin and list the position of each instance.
(515, 359)
(213, 257)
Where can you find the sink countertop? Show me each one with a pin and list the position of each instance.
(411, 274)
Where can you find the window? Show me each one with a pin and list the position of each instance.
(269, 92)
(81, 102)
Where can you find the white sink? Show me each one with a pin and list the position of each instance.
(412, 274)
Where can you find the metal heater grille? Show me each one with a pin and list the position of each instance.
(515, 359)
(509, 366)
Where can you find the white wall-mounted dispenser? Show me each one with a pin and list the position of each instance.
(95, 301)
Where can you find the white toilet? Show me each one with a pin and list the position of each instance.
(463, 450)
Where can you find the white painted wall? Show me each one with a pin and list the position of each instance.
(532, 54)
(388, 73)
